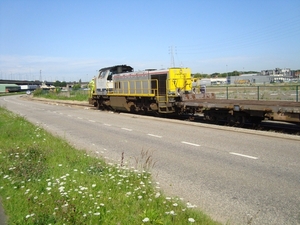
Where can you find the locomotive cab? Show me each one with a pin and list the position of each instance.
(104, 80)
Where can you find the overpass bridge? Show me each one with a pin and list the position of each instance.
(36, 82)
(25, 82)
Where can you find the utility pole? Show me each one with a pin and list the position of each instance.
(40, 75)
(172, 56)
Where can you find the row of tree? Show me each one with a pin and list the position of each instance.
(233, 73)
(61, 84)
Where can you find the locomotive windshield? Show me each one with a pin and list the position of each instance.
(108, 72)
(102, 74)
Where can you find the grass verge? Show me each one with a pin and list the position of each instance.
(44, 180)
(12, 93)
(77, 95)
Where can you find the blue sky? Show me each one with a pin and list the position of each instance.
(70, 39)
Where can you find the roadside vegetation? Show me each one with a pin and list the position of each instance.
(44, 180)
(76, 94)
(12, 93)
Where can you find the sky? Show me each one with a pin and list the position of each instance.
(68, 40)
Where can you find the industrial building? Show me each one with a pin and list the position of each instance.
(9, 88)
(249, 79)
(264, 77)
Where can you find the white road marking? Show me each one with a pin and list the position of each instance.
(79, 118)
(247, 156)
(106, 124)
(153, 135)
(93, 121)
(189, 143)
(126, 129)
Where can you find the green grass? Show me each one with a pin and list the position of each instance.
(77, 95)
(12, 93)
(44, 180)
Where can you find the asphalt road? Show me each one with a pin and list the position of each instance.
(234, 175)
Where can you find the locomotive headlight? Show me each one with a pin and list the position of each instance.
(236, 108)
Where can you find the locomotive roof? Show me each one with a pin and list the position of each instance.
(125, 68)
(144, 72)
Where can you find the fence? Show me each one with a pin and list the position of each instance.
(267, 93)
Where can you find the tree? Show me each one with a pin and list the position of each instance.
(215, 75)
(64, 84)
(60, 84)
(57, 83)
(235, 73)
(76, 86)
(199, 75)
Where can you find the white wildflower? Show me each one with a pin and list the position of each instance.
(145, 220)
(191, 220)
(189, 205)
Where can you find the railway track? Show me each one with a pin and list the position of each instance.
(266, 125)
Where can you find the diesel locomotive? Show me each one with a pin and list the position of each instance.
(120, 88)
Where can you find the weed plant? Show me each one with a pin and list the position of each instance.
(43, 180)
(12, 93)
(77, 95)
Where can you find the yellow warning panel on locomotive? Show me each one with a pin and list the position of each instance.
(179, 80)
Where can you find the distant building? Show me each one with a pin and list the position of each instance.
(264, 77)
(248, 79)
(28, 87)
(210, 81)
(9, 88)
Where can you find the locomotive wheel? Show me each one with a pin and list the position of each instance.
(240, 120)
